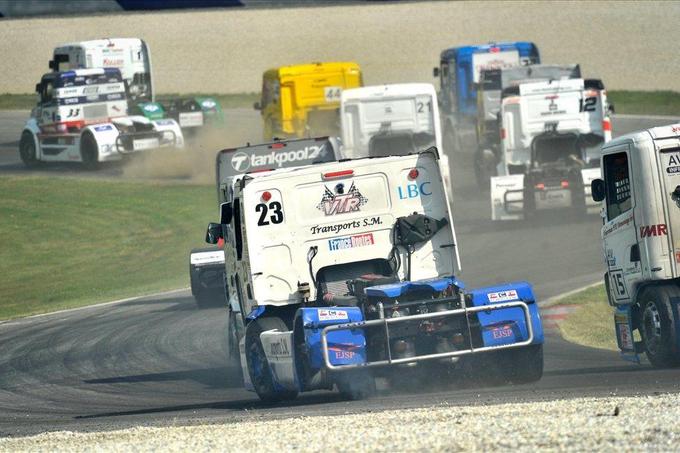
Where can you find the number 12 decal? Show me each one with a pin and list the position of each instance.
(276, 216)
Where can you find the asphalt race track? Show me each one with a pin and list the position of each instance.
(161, 361)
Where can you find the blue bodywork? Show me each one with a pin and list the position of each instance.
(507, 326)
(460, 86)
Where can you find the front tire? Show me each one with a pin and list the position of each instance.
(258, 366)
(89, 152)
(27, 150)
(656, 325)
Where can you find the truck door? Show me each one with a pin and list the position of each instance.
(669, 154)
(619, 236)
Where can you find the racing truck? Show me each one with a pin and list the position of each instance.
(304, 100)
(640, 194)
(206, 264)
(81, 116)
(389, 119)
(133, 58)
(459, 75)
(551, 134)
(491, 86)
(341, 278)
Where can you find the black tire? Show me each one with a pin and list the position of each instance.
(524, 365)
(234, 371)
(27, 151)
(258, 367)
(355, 384)
(89, 152)
(656, 325)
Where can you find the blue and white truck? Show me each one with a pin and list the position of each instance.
(344, 271)
(459, 75)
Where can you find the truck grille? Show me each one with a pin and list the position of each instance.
(95, 112)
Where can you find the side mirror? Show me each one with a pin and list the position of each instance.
(37, 88)
(214, 233)
(53, 65)
(226, 213)
(257, 106)
(611, 109)
(435, 72)
(597, 190)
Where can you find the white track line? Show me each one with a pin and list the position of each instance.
(553, 299)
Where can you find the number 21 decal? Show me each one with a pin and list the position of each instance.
(274, 208)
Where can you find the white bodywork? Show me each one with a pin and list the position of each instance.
(562, 107)
(641, 172)
(346, 209)
(98, 108)
(130, 55)
(407, 108)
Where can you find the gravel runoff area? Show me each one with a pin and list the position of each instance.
(583, 424)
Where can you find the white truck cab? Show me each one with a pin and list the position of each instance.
(551, 133)
(387, 119)
(343, 269)
(82, 116)
(640, 190)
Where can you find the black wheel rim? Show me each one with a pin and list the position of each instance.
(651, 328)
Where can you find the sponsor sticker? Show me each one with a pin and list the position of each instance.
(333, 315)
(105, 127)
(209, 104)
(242, 161)
(653, 230)
(339, 201)
(414, 190)
(348, 242)
(503, 296)
(151, 108)
(279, 349)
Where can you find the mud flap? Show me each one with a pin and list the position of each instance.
(346, 347)
(588, 175)
(278, 347)
(623, 321)
(507, 197)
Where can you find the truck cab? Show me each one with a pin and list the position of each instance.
(640, 195)
(459, 73)
(132, 57)
(304, 100)
(339, 277)
(551, 133)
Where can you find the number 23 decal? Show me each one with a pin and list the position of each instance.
(274, 208)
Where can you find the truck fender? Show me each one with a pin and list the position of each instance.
(278, 347)
(105, 135)
(31, 127)
(170, 125)
(507, 197)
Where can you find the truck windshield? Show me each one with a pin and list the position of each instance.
(513, 76)
(395, 126)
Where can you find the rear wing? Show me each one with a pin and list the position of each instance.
(234, 162)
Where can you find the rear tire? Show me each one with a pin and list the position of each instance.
(258, 366)
(524, 365)
(656, 325)
(355, 385)
(27, 150)
(89, 152)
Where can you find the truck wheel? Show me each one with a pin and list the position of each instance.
(524, 365)
(258, 366)
(356, 384)
(234, 372)
(27, 150)
(656, 325)
(89, 152)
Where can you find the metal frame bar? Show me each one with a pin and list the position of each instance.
(386, 321)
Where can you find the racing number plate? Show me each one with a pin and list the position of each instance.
(145, 143)
(191, 119)
(332, 94)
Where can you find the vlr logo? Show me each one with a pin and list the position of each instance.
(653, 230)
(414, 190)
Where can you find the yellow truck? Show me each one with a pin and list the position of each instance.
(304, 100)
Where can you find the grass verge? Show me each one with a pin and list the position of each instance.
(645, 102)
(593, 323)
(227, 101)
(72, 242)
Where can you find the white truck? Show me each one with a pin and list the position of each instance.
(551, 133)
(345, 270)
(389, 119)
(206, 264)
(81, 116)
(133, 58)
(640, 191)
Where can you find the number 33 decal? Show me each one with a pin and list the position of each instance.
(276, 213)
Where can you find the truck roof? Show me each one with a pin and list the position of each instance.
(468, 50)
(71, 77)
(103, 42)
(309, 68)
(388, 90)
(659, 132)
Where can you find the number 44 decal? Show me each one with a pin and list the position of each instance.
(617, 284)
(275, 211)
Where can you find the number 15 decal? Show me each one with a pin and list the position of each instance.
(618, 284)
(274, 208)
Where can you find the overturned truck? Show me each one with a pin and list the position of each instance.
(345, 270)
